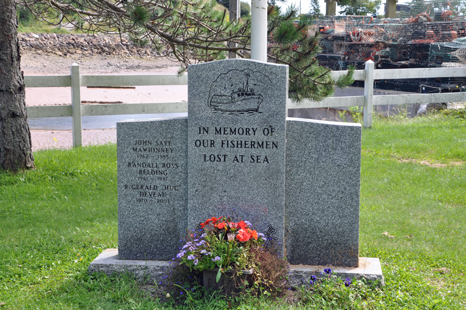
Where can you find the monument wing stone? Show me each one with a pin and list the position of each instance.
(152, 188)
(322, 192)
(236, 143)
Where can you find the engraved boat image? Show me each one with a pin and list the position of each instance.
(244, 99)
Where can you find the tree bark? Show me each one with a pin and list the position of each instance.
(15, 137)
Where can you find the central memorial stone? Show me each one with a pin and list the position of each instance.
(238, 155)
(236, 144)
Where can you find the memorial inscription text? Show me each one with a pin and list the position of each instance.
(153, 162)
(218, 139)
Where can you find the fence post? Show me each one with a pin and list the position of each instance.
(76, 105)
(368, 93)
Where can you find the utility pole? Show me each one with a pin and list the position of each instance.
(234, 7)
(259, 30)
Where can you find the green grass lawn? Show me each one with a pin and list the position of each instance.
(56, 219)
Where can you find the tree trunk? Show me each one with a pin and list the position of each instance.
(15, 137)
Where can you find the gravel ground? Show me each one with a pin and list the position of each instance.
(35, 64)
(44, 64)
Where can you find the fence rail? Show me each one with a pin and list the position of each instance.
(76, 81)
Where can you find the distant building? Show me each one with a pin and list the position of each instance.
(402, 10)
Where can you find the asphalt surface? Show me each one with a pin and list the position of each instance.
(148, 94)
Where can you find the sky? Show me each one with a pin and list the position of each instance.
(305, 5)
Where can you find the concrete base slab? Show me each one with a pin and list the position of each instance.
(109, 263)
(369, 269)
(150, 270)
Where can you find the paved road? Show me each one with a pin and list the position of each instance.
(93, 122)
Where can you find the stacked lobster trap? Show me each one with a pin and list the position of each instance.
(416, 42)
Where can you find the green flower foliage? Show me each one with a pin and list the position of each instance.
(221, 244)
(230, 250)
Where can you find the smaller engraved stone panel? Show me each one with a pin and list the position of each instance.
(322, 192)
(152, 188)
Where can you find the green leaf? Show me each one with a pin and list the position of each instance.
(219, 275)
(140, 15)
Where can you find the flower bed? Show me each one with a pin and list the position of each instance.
(231, 257)
(221, 244)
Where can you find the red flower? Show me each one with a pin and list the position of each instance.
(221, 225)
(243, 235)
(233, 225)
(242, 224)
(212, 220)
(254, 234)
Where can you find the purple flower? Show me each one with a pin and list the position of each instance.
(216, 258)
(261, 235)
(195, 262)
(313, 278)
(348, 282)
(203, 235)
(191, 257)
(181, 254)
(311, 282)
(248, 223)
(328, 270)
(186, 245)
(203, 251)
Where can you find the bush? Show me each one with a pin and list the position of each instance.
(25, 17)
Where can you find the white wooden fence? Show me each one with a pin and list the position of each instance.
(76, 110)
